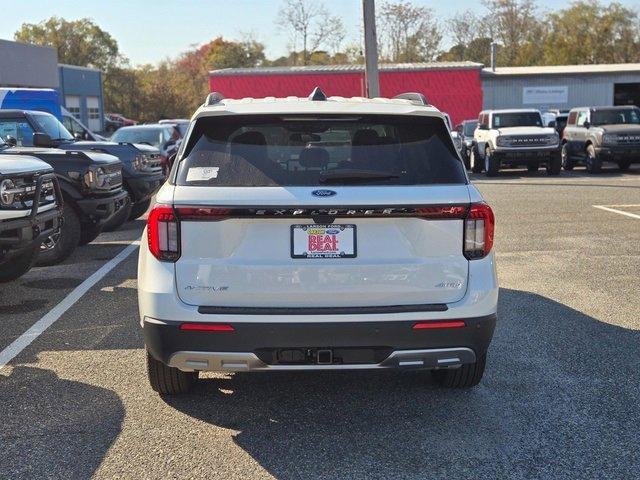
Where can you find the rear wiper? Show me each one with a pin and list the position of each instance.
(352, 175)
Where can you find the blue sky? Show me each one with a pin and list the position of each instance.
(149, 31)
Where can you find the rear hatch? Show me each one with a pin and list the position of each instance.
(326, 212)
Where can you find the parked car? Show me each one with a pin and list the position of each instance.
(91, 186)
(141, 165)
(111, 124)
(512, 138)
(181, 123)
(597, 134)
(30, 211)
(560, 123)
(164, 137)
(121, 119)
(466, 130)
(372, 252)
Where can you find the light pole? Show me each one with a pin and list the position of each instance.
(370, 48)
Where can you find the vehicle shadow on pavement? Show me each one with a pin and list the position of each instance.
(560, 399)
(70, 427)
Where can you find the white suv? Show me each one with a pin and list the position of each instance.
(317, 234)
(511, 138)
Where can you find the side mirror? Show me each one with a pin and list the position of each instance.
(11, 141)
(587, 124)
(41, 140)
(552, 124)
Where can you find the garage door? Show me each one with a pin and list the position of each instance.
(72, 102)
(93, 114)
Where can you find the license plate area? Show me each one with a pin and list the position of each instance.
(323, 241)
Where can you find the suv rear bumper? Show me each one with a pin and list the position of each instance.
(295, 346)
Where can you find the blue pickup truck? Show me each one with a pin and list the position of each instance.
(39, 111)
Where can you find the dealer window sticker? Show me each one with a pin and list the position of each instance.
(202, 174)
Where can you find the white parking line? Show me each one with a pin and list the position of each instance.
(609, 209)
(24, 340)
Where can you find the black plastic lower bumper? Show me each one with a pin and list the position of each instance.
(143, 187)
(99, 210)
(22, 233)
(620, 154)
(526, 157)
(351, 342)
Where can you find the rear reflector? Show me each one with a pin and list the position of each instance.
(448, 211)
(203, 213)
(439, 324)
(207, 327)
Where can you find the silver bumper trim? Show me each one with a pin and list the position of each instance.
(246, 361)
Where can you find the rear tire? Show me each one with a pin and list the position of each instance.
(18, 265)
(554, 164)
(623, 165)
(491, 165)
(139, 209)
(476, 164)
(57, 248)
(594, 164)
(567, 163)
(466, 376)
(169, 380)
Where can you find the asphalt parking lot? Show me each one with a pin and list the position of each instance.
(560, 398)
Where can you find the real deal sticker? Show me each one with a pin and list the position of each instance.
(202, 174)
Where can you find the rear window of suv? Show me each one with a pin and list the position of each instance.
(305, 150)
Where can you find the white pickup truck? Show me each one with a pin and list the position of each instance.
(513, 138)
(30, 209)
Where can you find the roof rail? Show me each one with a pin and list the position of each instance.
(317, 95)
(414, 97)
(214, 98)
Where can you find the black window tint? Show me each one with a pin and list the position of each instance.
(299, 150)
(20, 130)
(616, 116)
(517, 119)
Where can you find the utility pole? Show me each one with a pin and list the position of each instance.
(370, 49)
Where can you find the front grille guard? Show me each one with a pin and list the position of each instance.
(37, 195)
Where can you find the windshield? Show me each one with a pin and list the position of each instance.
(152, 136)
(51, 126)
(517, 119)
(616, 116)
(304, 150)
(469, 128)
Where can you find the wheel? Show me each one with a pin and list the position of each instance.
(533, 167)
(119, 219)
(89, 233)
(139, 209)
(554, 164)
(624, 165)
(465, 159)
(466, 376)
(476, 164)
(491, 165)
(567, 163)
(169, 380)
(594, 164)
(17, 266)
(60, 245)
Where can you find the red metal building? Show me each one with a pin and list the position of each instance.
(454, 88)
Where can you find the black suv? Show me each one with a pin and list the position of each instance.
(91, 186)
(141, 169)
(597, 134)
(30, 208)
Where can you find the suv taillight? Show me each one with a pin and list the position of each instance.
(478, 231)
(163, 233)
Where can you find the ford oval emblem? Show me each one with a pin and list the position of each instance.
(323, 193)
